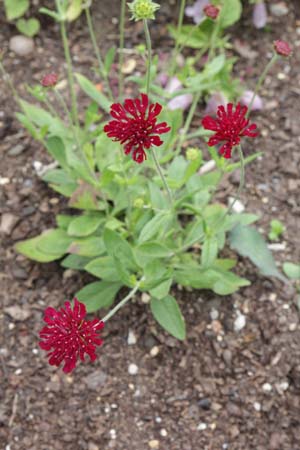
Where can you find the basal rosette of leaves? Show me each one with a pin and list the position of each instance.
(119, 225)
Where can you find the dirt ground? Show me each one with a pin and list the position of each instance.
(218, 390)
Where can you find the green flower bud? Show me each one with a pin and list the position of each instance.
(192, 154)
(138, 203)
(143, 9)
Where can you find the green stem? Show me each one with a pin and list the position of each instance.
(70, 72)
(149, 62)
(149, 51)
(242, 182)
(214, 36)
(102, 70)
(121, 47)
(260, 82)
(188, 121)
(179, 26)
(122, 302)
(160, 172)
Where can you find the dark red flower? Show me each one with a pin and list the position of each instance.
(135, 126)
(68, 336)
(211, 11)
(282, 48)
(230, 126)
(49, 80)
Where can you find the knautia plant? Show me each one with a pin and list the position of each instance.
(140, 195)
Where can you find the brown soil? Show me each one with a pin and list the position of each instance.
(220, 389)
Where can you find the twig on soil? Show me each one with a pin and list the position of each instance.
(14, 410)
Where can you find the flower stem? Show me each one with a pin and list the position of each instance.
(97, 52)
(148, 76)
(70, 72)
(177, 47)
(260, 82)
(122, 302)
(121, 47)
(149, 51)
(242, 182)
(188, 122)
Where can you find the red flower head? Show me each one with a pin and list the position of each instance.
(49, 80)
(282, 48)
(211, 11)
(135, 126)
(230, 126)
(69, 336)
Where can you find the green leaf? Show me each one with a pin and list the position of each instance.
(292, 270)
(63, 221)
(158, 200)
(231, 11)
(103, 267)
(151, 250)
(84, 225)
(29, 27)
(74, 10)
(229, 283)
(56, 148)
(156, 226)
(118, 247)
(54, 242)
(15, 8)
(99, 294)
(75, 262)
(30, 249)
(209, 251)
(167, 313)
(161, 290)
(155, 272)
(109, 59)
(58, 176)
(249, 242)
(90, 246)
(90, 90)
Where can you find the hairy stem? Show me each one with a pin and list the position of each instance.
(121, 47)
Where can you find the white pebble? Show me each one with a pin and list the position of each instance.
(239, 322)
(131, 340)
(237, 207)
(113, 433)
(145, 297)
(284, 386)
(163, 432)
(3, 181)
(267, 387)
(21, 45)
(158, 419)
(202, 426)
(257, 406)
(214, 314)
(293, 326)
(35, 351)
(133, 369)
(154, 351)
(277, 247)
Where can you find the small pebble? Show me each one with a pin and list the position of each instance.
(163, 432)
(237, 207)
(154, 443)
(113, 433)
(3, 181)
(257, 406)
(267, 387)
(279, 9)
(214, 314)
(293, 327)
(202, 426)
(154, 351)
(145, 297)
(21, 45)
(131, 340)
(158, 419)
(277, 247)
(239, 322)
(133, 369)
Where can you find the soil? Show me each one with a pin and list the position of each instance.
(220, 389)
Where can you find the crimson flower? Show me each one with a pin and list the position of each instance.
(68, 336)
(211, 11)
(135, 126)
(49, 80)
(230, 126)
(282, 48)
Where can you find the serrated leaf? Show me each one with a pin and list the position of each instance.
(247, 241)
(99, 294)
(167, 313)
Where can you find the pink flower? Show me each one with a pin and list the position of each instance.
(135, 126)
(49, 80)
(180, 101)
(230, 126)
(282, 48)
(211, 11)
(246, 98)
(196, 11)
(68, 336)
(259, 15)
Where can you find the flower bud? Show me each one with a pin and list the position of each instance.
(49, 80)
(143, 9)
(211, 11)
(192, 154)
(138, 203)
(282, 48)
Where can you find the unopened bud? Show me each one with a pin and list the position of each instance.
(138, 203)
(50, 80)
(282, 48)
(192, 154)
(143, 9)
(211, 11)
